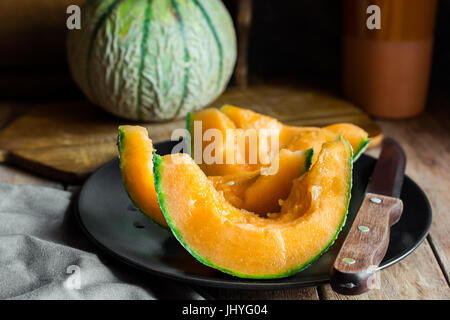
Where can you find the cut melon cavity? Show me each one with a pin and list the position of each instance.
(242, 243)
(261, 191)
(243, 189)
(289, 137)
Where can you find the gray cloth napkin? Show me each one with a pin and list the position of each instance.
(44, 255)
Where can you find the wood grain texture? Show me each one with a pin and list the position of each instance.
(287, 294)
(67, 141)
(368, 248)
(299, 105)
(416, 277)
(426, 141)
(8, 111)
(5, 115)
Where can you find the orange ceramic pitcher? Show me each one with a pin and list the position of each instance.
(386, 66)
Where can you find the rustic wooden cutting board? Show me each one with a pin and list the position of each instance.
(67, 141)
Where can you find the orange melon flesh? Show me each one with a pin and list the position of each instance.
(357, 137)
(262, 192)
(136, 164)
(311, 139)
(233, 186)
(265, 193)
(242, 189)
(290, 137)
(214, 119)
(245, 118)
(288, 133)
(248, 119)
(243, 244)
(211, 119)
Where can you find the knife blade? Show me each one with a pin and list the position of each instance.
(387, 176)
(354, 270)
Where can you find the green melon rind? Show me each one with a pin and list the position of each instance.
(344, 219)
(308, 159)
(361, 148)
(120, 143)
(188, 138)
(143, 53)
(121, 23)
(186, 57)
(216, 39)
(157, 166)
(342, 223)
(223, 107)
(98, 25)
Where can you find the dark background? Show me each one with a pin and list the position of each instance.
(288, 38)
(303, 39)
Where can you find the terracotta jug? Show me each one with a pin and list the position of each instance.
(387, 49)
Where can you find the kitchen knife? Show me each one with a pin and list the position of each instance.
(354, 270)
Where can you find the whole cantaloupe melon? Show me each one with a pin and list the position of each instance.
(152, 60)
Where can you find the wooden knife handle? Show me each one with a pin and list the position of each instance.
(353, 271)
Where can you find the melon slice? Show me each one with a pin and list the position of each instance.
(136, 165)
(242, 243)
(289, 137)
(231, 133)
(244, 118)
(242, 189)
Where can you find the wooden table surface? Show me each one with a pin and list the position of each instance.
(422, 275)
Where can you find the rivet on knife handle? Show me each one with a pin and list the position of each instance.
(366, 244)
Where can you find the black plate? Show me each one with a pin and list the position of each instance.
(113, 223)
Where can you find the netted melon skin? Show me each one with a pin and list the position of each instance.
(152, 60)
